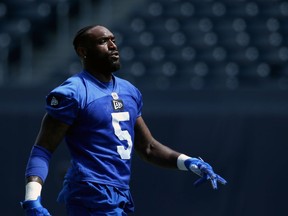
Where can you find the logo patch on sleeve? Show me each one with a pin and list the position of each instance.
(54, 101)
(118, 105)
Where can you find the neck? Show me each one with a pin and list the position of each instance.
(100, 75)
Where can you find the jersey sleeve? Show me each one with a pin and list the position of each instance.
(63, 103)
(61, 107)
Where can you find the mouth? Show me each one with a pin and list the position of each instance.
(115, 55)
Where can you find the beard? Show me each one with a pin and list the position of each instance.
(105, 63)
(113, 66)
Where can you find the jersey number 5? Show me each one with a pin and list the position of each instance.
(122, 134)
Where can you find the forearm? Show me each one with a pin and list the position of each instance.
(34, 179)
(36, 172)
(159, 154)
(49, 137)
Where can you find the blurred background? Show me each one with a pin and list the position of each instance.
(214, 79)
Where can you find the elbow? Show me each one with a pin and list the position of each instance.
(146, 151)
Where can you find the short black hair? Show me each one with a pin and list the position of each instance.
(80, 35)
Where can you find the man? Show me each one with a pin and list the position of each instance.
(99, 115)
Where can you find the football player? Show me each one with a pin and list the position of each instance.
(99, 115)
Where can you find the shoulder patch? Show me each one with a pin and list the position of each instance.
(54, 101)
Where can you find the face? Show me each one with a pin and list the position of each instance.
(101, 50)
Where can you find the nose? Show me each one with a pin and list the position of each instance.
(112, 44)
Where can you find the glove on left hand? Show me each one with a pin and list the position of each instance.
(204, 170)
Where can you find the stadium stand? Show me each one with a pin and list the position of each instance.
(167, 43)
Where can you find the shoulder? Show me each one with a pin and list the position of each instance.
(72, 87)
(125, 85)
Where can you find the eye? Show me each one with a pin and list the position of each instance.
(102, 41)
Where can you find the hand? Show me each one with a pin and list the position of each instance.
(34, 208)
(204, 170)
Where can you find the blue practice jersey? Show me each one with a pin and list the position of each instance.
(101, 134)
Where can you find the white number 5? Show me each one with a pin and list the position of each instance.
(122, 134)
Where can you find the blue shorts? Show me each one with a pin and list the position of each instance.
(93, 199)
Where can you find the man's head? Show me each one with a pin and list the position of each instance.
(96, 47)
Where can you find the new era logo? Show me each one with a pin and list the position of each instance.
(117, 105)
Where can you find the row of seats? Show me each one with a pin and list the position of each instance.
(232, 44)
(212, 54)
(204, 31)
(26, 26)
(36, 18)
(194, 8)
(188, 42)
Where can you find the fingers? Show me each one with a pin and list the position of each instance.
(207, 169)
(214, 179)
(221, 180)
(208, 174)
(204, 179)
(214, 183)
(217, 179)
(200, 180)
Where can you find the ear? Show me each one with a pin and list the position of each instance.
(81, 51)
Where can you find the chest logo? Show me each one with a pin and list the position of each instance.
(118, 105)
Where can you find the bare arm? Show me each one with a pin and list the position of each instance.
(51, 133)
(153, 151)
(150, 149)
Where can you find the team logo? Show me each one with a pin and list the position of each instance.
(54, 101)
(117, 105)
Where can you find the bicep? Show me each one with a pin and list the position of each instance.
(51, 133)
(142, 135)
